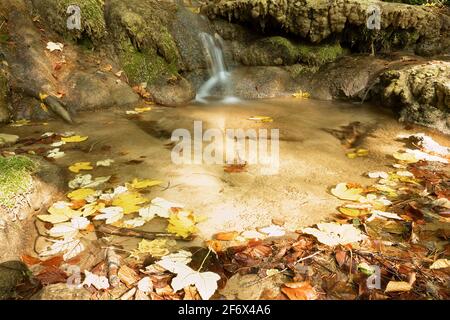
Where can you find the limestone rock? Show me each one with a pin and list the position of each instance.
(7, 139)
(424, 28)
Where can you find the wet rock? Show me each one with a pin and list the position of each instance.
(4, 98)
(262, 82)
(278, 50)
(12, 273)
(420, 94)
(346, 78)
(173, 93)
(98, 90)
(62, 291)
(402, 25)
(7, 139)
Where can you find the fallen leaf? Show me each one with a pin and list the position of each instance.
(129, 202)
(261, 118)
(440, 264)
(146, 183)
(182, 223)
(398, 286)
(333, 234)
(110, 214)
(52, 46)
(98, 282)
(77, 167)
(127, 275)
(299, 291)
(343, 192)
(81, 194)
(74, 139)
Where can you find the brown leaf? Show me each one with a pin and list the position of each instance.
(29, 260)
(235, 168)
(340, 257)
(51, 275)
(226, 236)
(53, 262)
(128, 275)
(299, 291)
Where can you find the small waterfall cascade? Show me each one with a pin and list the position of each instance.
(219, 75)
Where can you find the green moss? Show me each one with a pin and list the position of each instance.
(15, 178)
(54, 12)
(144, 65)
(146, 49)
(317, 55)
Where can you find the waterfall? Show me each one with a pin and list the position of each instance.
(219, 75)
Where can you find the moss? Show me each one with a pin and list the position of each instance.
(144, 65)
(146, 49)
(92, 19)
(317, 55)
(15, 178)
(282, 51)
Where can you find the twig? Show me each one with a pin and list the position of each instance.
(125, 232)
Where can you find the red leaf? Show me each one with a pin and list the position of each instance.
(51, 275)
(29, 260)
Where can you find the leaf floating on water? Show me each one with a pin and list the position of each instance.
(54, 46)
(343, 192)
(74, 139)
(129, 201)
(81, 194)
(235, 168)
(182, 223)
(302, 95)
(146, 183)
(70, 247)
(77, 167)
(405, 157)
(353, 212)
(110, 214)
(261, 118)
(104, 163)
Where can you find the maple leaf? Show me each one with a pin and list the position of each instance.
(98, 282)
(59, 212)
(70, 247)
(333, 234)
(299, 291)
(77, 167)
(146, 183)
(182, 223)
(110, 214)
(74, 139)
(341, 191)
(81, 194)
(129, 202)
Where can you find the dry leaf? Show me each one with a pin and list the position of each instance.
(299, 291)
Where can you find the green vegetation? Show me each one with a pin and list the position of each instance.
(15, 178)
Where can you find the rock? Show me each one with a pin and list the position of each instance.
(278, 50)
(4, 98)
(173, 94)
(97, 90)
(262, 82)
(420, 94)
(12, 273)
(8, 139)
(62, 291)
(346, 78)
(419, 27)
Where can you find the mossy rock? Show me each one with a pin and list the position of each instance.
(15, 178)
(4, 98)
(12, 273)
(278, 50)
(143, 43)
(54, 13)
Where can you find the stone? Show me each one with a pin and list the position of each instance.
(62, 291)
(173, 94)
(12, 273)
(8, 139)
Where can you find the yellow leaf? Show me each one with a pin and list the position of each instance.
(77, 167)
(142, 109)
(81, 194)
(398, 286)
(59, 213)
(351, 155)
(301, 94)
(156, 248)
(182, 223)
(43, 96)
(261, 118)
(44, 107)
(405, 157)
(342, 192)
(440, 264)
(129, 202)
(74, 139)
(146, 183)
(353, 212)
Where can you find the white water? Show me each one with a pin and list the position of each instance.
(219, 75)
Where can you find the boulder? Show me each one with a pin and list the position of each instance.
(4, 98)
(12, 273)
